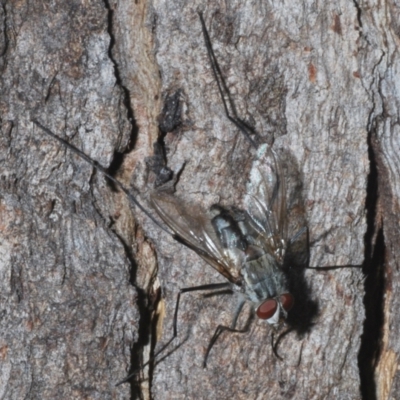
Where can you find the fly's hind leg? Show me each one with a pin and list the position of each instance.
(229, 106)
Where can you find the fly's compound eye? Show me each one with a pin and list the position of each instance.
(287, 301)
(267, 309)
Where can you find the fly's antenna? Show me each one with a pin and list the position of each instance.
(223, 89)
(99, 168)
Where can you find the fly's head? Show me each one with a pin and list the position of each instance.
(274, 309)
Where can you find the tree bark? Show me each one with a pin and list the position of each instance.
(89, 282)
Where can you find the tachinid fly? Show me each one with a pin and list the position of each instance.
(246, 247)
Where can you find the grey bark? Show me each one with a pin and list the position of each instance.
(88, 282)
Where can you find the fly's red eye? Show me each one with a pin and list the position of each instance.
(267, 309)
(287, 301)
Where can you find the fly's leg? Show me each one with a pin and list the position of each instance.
(99, 168)
(275, 344)
(232, 328)
(212, 286)
(223, 89)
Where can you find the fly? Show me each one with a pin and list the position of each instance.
(246, 245)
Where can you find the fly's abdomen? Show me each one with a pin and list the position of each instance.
(227, 229)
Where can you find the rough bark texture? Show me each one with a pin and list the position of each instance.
(82, 270)
(68, 313)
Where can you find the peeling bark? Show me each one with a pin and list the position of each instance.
(89, 282)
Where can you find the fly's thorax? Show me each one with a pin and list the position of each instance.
(266, 285)
(263, 277)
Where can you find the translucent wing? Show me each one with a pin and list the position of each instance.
(265, 202)
(193, 225)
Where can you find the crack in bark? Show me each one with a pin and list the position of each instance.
(358, 8)
(127, 98)
(373, 268)
(144, 302)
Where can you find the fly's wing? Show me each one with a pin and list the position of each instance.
(265, 202)
(194, 227)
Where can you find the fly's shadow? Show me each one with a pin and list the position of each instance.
(296, 262)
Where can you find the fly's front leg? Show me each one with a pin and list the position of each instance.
(232, 328)
(212, 286)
